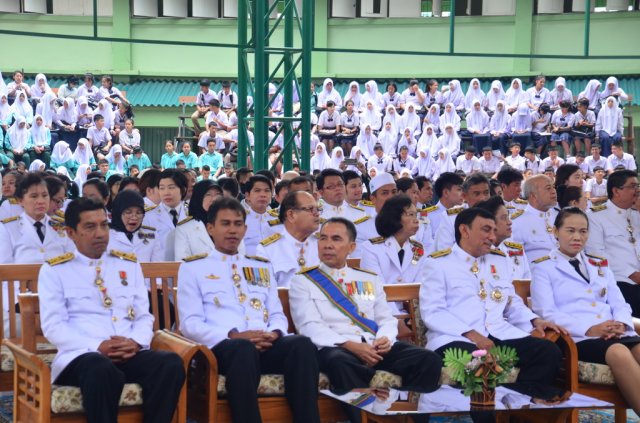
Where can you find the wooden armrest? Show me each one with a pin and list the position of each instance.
(636, 325)
(32, 379)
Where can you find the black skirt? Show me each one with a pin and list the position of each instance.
(594, 350)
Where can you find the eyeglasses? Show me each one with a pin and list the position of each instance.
(136, 214)
(312, 209)
(59, 202)
(334, 186)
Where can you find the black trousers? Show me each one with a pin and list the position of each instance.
(538, 360)
(631, 294)
(159, 373)
(292, 356)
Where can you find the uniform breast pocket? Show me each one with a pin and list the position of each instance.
(217, 296)
(463, 286)
(80, 298)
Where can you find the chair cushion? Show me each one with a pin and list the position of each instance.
(6, 363)
(68, 399)
(595, 373)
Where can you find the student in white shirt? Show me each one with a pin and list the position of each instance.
(428, 140)
(579, 160)
(515, 160)
(396, 120)
(388, 138)
(609, 124)
(17, 84)
(410, 119)
(329, 125)
(443, 164)
(595, 159)
(349, 126)
(489, 164)
(391, 97)
(495, 94)
(474, 92)
(450, 117)
(619, 158)
(370, 116)
(584, 122)
(455, 96)
(99, 137)
(592, 93)
(424, 165)
(371, 94)
(40, 87)
(515, 95)
(561, 126)
(538, 94)
(499, 125)
(408, 140)
(110, 93)
(552, 160)
(541, 122)
(560, 93)
(450, 140)
(468, 162)
(611, 89)
(353, 94)
(532, 161)
(320, 160)
(228, 98)
(432, 117)
(432, 95)
(380, 161)
(521, 126)
(366, 141)
(413, 94)
(478, 125)
(404, 160)
(596, 190)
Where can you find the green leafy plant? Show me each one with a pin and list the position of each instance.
(480, 370)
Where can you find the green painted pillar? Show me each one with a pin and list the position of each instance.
(523, 39)
(320, 36)
(122, 29)
(243, 83)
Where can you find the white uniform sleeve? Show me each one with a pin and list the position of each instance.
(387, 323)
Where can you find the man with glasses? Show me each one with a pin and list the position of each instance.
(614, 233)
(294, 247)
(331, 186)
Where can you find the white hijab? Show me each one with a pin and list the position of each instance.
(450, 142)
(35, 88)
(19, 137)
(68, 113)
(444, 164)
(120, 163)
(473, 94)
(433, 116)
(493, 96)
(366, 142)
(393, 117)
(320, 160)
(5, 109)
(424, 166)
(515, 96)
(563, 94)
(610, 116)
(106, 112)
(408, 141)
(48, 108)
(449, 117)
(337, 157)
(429, 141)
(38, 132)
(81, 176)
(354, 155)
(83, 157)
(388, 138)
(3, 85)
(591, 92)
(606, 92)
(500, 120)
(522, 118)
(411, 119)
(36, 166)
(356, 98)
(61, 153)
(455, 96)
(62, 171)
(477, 119)
(371, 93)
(371, 117)
(20, 106)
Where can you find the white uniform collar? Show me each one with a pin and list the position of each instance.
(167, 209)
(218, 256)
(624, 212)
(87, 261)
(557, 253)
(31, 221)
(291, 239)
(537, 212)
(336, 274)
(250, 211)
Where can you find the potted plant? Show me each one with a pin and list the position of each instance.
(481, 371)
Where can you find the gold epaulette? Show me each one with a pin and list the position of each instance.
(271, 239)
(513, 245)
(599, 208)
(497, 252)
(520, 201)
(274, 222)
(362, 219)
(364, 270)
(429, 209)
(274, 212)
(356, 207)
(149, 208)
(366, 203)
(57, 219)
(377, 240)
(416, 244)
(185, 220)
(10, 219)
(60, 259)
(510, 207)
(149, 228)
(454, 210)
(322, 220)
(12, 200)
(595, 257)
(516, 214)
(195, 257)
(258, 258)
(541, 259)
(124, 256)
(306, 269)
(59, 213)
(440, 253)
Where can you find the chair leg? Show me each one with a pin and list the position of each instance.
(573, 417)
(620, 415)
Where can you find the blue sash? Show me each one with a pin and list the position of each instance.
(338, 298)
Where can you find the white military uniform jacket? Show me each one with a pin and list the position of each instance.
(288, 255)
(454, 300)
(317, 318)
(258, 228)
(446, 236)
(380, 256)
(193, 239)
(611, 232)
(143, 244)
(436, 215)
(75, 314)
(10, 207)
(560, 294)
(212, 303)
(368, 208)
(159, 217)
(21, 244)
(345, 210)
(517, 259)
(533, 229)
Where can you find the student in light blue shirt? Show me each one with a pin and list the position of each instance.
(169, 158)
(139, 159)
(189, 157)
(212, 158)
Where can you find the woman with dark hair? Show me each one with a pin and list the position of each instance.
(394, 255)
(578, 291)
(570, 196)
(114, 185)
(127, 233)
(130, 183)
(570, 175)
(191, 233)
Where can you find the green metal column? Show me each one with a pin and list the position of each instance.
(260, 84)
(289, 10)
(452, 25)
(308, 7)
(243, 82)
(587, 26)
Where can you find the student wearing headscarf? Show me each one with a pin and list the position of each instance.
(609, 125)
(388, 138)
(329, 93)
(515, 95)
(22, 107)
(428, 140)
(3, 85)
(449, 117)
(394, 117)
(478, 125)
(499, 128)
(410, 119)
(84, 112)
(83, 153)
(371, 94)
(450, 141)
(521, 125)
(443, 164)
(47, 109)
(360, 162)
(371, 116)
(407, 139)
(81, 176)
(366, 141)
(320, 160)
(591, 93)
(474, 92)
(5, 112)
(37, 166)
(127, 233)
(40, 87)
(353, 93)
(560, 93)
(424, 164)
(611, 89)
(17, 142)
(63, 157)
(117, 163)
(40, 140)
(104, 109)
(66, 116)
(495, 94)
(455, 95)
(337, 157)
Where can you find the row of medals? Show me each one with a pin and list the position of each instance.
(496, 294)
(255, 303)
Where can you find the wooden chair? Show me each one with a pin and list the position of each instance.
(163, 278)
(184, 101)
(26, 276)
(32, 376)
